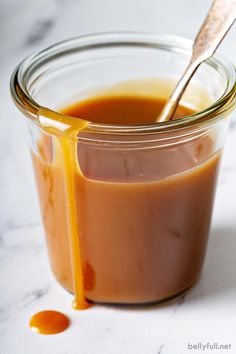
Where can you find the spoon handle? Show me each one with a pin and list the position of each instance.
(220, 18)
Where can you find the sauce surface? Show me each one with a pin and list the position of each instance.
(128, 110)
(125, 225)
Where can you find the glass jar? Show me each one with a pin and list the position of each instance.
(143, 194)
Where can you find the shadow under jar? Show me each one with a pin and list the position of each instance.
(144, 193)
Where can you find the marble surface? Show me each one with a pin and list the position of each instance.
(205, 314)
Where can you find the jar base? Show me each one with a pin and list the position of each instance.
(163, 302)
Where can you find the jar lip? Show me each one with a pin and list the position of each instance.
(207, 116)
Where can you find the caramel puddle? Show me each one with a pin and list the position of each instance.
(49, 322)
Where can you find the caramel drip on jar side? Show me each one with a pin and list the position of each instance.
(66, 129)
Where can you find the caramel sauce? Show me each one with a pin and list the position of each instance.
(49, 322)
(109, 109)
(83, 197)
(126, 109)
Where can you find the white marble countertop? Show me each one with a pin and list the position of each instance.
(207, 313)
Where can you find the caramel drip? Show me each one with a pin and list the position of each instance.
(66, 129)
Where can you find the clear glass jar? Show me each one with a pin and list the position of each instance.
(143, 194)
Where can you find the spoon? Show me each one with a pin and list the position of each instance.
(218, 21)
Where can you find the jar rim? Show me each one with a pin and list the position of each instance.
(221, 107)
